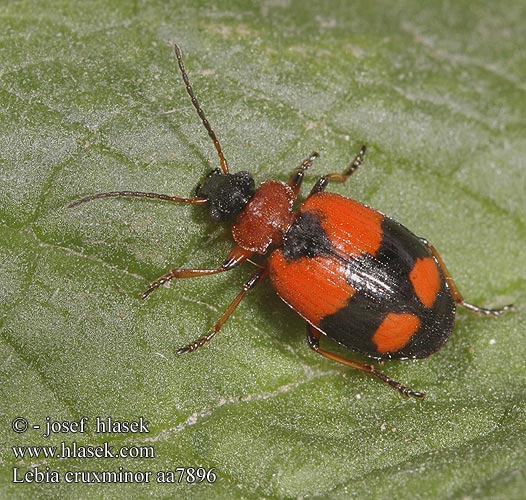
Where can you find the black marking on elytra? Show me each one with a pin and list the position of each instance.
(435, 328)
(382, 286)
(400, 244)
(227, 194)
(306, 238)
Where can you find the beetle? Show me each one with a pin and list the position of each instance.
(352, 273)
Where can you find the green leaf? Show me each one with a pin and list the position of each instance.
(91, 101)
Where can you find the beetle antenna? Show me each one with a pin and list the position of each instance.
(200, 112)
(138, 194)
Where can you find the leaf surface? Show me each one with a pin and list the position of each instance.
(91, 101)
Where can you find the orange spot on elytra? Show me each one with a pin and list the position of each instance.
(395, 331)
(315, 287)
(425, 279)
(353, 228)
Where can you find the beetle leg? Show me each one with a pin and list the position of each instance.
(256, 278)
(296, 177)
(339, 177)
(457, 296)
(237, 256)
(313, 340)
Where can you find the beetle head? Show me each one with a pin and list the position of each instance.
(227, 194)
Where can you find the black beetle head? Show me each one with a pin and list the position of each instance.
(227, 194)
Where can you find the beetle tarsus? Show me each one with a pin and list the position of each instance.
(192, 346)
(483, 311)
(402, 389)
(322, 183)
(157, 283)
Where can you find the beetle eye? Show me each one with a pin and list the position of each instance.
(198, 188)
